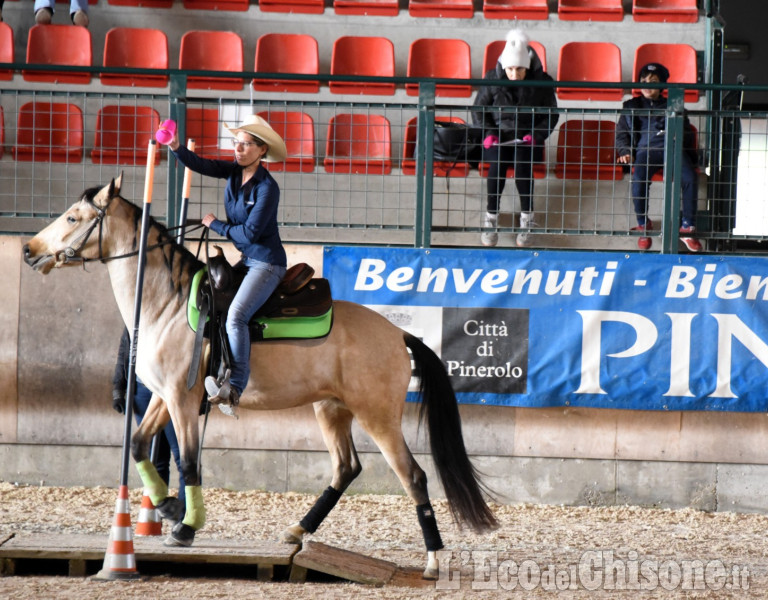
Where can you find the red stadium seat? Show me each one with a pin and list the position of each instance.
(137, 48)
(377, 8)
(123, 134)
(439, 168)
(58, 45)
(212, 51)
(287, 53)
(310, 7)
(590, 10)
(456, 9)
(493, 51)
(6, 50)
(298, 131)
(585, 150)
(358, 143)
(589, 61)
(49, 132)
(680, 59)
(665, 11)
(373, 56)
(446, 58)
(516, 9)
(240, 5)
(204, 126)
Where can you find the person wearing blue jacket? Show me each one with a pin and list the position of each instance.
(251, 199)
(640, 141)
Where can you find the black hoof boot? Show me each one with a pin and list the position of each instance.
(181, 535)
(171, 509)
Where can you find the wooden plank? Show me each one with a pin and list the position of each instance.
(93, 547)
(345, 564)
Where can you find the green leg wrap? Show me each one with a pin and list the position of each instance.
(195, 515)
(156, 488)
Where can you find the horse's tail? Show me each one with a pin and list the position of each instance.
(460, 479)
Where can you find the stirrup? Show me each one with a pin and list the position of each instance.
(218, 390)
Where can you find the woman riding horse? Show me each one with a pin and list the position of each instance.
(250, 201)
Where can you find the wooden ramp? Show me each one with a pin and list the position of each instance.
(341, 563)
(79, 549)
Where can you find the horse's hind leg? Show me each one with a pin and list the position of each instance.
(336, 425)
(413, 479)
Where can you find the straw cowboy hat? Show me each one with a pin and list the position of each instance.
(256, 126)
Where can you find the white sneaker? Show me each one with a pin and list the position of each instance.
(524, 237)
(490, 238)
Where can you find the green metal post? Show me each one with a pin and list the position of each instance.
(424, 164)
(178, 112)
(673, 157)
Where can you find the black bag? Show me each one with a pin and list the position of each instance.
(457, 142)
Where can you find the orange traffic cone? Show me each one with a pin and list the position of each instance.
(149, 522)
(120, 559)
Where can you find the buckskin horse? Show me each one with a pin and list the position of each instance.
(360, 370)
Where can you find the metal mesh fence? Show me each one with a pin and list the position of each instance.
(359, 172)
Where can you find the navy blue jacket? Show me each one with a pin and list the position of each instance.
(251, 208)
(643, 130)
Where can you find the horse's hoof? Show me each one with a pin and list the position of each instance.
(181, 535)
(171, 509)
(430, 573)
(293, 534)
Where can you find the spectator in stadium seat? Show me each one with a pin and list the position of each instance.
(513, 138)
(78, 12)
(640, 142)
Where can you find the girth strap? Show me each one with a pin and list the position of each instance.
(194, 366)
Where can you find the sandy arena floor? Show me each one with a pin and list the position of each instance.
(537, 552)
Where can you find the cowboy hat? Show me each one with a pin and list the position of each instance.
(258, 127)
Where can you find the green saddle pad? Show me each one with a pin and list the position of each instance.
(264, 327)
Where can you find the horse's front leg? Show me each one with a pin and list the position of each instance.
(154, 420)
(185, 423)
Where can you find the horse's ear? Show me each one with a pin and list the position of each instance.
(117, 183)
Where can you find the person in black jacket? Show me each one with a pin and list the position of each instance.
(640, 141)
(514, 138)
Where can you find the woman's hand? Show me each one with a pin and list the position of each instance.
(624, 159)
(208, 219)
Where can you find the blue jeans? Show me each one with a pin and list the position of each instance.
(74, 5)
(261, 280)
(647, 163)
(168, 444)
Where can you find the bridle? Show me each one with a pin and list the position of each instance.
(71, 252)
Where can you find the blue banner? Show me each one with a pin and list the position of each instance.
(531, 328)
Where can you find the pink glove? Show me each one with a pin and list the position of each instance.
(167, 130)
(491, 140)
(528, 139)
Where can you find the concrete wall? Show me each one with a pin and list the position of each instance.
(60, 335)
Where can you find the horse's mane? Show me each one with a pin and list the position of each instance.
(174, 254)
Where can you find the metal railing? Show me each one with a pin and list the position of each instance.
(403, 197)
